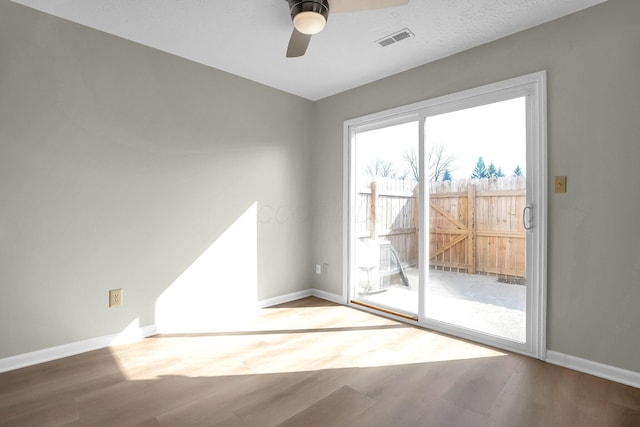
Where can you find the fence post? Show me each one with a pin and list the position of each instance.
(373, 232)
(471, 227)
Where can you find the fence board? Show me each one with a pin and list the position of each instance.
(475, 226)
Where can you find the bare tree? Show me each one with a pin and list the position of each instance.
(438, 161)
(411, 156)
(385, 169)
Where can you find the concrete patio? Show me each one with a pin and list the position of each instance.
(477, 302)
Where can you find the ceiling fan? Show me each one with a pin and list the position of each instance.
(310, 17)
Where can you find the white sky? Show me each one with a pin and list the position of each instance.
(497, 132)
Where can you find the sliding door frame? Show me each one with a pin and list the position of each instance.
(531, 86)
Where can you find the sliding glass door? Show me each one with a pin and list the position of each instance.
(477, 239)
(386, 216)
(446, 208)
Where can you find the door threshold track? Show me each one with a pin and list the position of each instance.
(386, 310)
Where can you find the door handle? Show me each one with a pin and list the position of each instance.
(527, 222)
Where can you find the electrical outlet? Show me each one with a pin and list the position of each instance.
(115, 298)
(318, 268)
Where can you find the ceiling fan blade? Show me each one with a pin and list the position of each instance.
(355, 5)
(297, 44)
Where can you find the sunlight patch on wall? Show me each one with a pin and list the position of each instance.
(219, 287)
(131, 333)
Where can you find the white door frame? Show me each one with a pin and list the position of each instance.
(531, 86)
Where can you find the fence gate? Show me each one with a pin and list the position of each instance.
(475, 226)
(452, 231)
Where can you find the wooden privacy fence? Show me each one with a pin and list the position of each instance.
(475, 225)
(388, 209)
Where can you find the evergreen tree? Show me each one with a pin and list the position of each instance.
(480, 171)
(517, 171)
(500, 174)
(447, 175)
(492, 172)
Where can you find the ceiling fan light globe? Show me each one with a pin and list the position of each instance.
(309, 22)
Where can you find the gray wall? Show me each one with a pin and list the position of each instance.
(120, 166)
(593, 63)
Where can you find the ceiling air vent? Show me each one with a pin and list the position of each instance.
(405, 33)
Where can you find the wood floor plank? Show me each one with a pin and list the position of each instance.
(203, 412)
(285, 398)
(55, 412)
(529, 412)
(481, 384)
(310, 362)
(622, 416)
(151, 422)
(336, 409)
(624, 395)
(383, 414)
(444, 413)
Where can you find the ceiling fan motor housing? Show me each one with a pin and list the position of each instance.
(317, 6)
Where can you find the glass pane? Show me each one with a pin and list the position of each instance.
(386, 217)
(477, 193)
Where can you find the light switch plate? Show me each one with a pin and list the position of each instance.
(560, 184)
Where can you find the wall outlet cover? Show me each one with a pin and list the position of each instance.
(115, 298)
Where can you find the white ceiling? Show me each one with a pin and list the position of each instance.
(249, 37)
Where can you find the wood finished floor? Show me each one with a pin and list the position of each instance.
(310, 363)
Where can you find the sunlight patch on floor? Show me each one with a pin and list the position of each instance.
(316, 338)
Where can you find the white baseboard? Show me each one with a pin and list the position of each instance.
(597, 369)
(594, 368)
(71, 349)
(284, 298)
(338, 299)
(130, 335)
